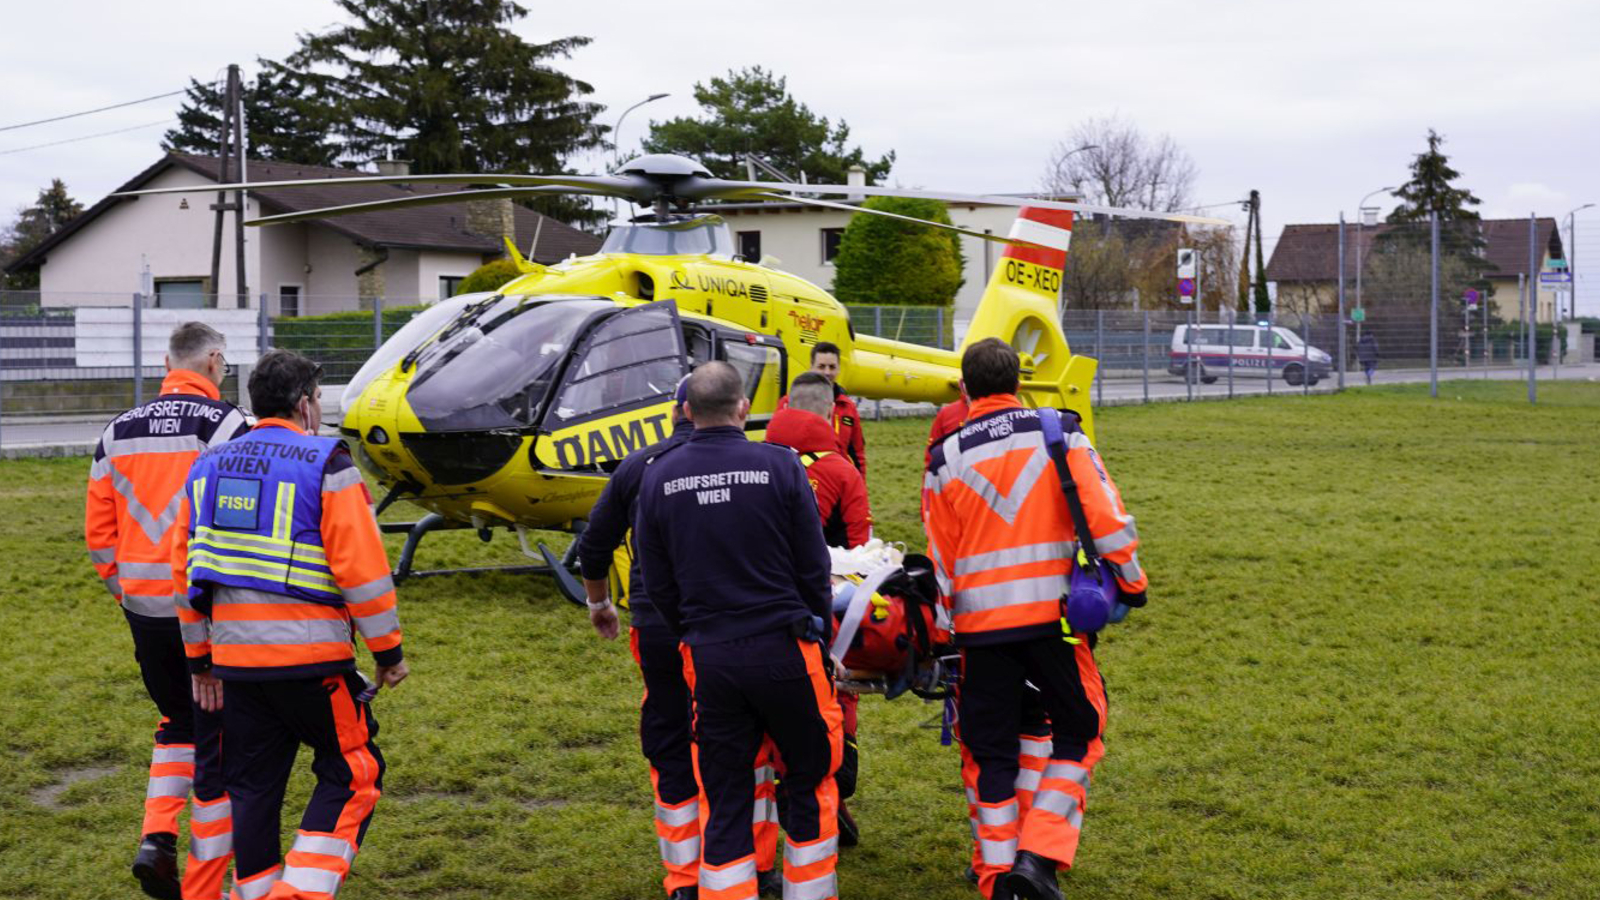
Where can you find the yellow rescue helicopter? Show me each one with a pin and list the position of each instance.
(507, 410)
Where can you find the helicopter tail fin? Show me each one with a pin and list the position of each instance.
(1022, 306)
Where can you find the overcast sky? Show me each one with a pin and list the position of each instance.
(1312, 104)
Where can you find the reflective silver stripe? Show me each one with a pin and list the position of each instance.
(103, 555)
(972, 796)
(114, 585)
(1010, 593)
(340, 480)
(1007, 505)
(997, 815)
(195, 632)
(211, 847)
(154, 527)
(1016, 556)
(172, 755)
(171, 443)
(1068, 771)
(274, 631)
(307, 878)
(766, 773)
(250, 595)
(211, 812)
(683, 815)
(1063, 805)
(258, 886)
(145, 570)
(1040, 747)
(1028, 779)
(998, 853)
(732, 876)
(377, 625)
(808, 854)
(680, 853)
(100, 468)
(822, 888)
(168, 786)
(1130, 570)
(1117, 540)
(370, 591)
(325, 845)
(225, 430)
(764, 810)
(155, 606)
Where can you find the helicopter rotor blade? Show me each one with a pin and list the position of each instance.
(408, 201)
(812, 201)
(721, 189)
(613, 185)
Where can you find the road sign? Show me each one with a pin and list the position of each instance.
(1358, 315)
(1186, 287)
(1188, 263)
(1470, 295)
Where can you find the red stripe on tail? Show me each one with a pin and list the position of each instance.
(1042, 256)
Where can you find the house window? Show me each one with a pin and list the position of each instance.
(448, 285)
(181, 293)
(830, 243)
(289, 300)
(750, 246)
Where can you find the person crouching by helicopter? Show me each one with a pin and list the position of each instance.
(846, 515)
(843, 416)
(754, 624)
(664, 713)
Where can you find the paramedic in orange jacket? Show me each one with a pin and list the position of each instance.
(135, 487)
(278, 562)
(1001, 537)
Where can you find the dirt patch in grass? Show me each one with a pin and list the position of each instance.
(49, 796)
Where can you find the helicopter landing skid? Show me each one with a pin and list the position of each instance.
(416, 531)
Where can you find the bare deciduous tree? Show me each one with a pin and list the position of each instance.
(1109, 161)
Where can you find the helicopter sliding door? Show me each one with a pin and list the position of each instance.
(616, 392)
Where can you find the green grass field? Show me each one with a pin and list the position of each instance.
(1369, 669)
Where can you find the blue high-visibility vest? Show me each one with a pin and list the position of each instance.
(256, 519)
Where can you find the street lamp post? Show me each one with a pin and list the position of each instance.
(616, 135)
(1572, 259)
(1361, 224)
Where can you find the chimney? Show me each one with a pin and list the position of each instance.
(857, 177)
(393, 166)
(492, 219)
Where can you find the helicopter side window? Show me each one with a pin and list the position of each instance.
(761, 369)
(631, 359)
(697, 342)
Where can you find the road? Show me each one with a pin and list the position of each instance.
(73, 435)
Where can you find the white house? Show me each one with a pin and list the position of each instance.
(329, 265)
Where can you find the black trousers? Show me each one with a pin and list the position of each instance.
(770, 684)
(158, 648)
(266, 722)
(664, 714)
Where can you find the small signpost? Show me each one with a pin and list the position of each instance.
(1188, 270)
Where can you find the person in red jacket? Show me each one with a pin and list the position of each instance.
(844, 417)
(841, 491)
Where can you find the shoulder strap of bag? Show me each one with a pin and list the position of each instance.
(1055, 442)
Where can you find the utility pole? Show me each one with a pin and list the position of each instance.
(230, 140)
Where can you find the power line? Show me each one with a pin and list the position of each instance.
(88, 112)
(87, 137)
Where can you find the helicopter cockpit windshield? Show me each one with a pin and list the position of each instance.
(701, 234)
(493, 366)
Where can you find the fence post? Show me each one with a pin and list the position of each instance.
(1233, 319)
(1267, 339)
(263, 325)
(1533, 304)
(1433, 304)
(1341, 300)
(1488, 345)
(138, 349)
(1305, 354)
(939, 323)
(877, 321)
(1144, 358)
(377, 323)
(1100, 357)
(1189, 370)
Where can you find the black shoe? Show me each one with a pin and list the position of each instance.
(1001, 892)
(849, 831)
(972, 875)
(685, 893)
(769, 883)
(156, 866)
(1032, 877)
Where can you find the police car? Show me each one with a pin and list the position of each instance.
(1202, 352)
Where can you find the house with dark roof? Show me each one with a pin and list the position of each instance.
(321, 266)
(1305, 263)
